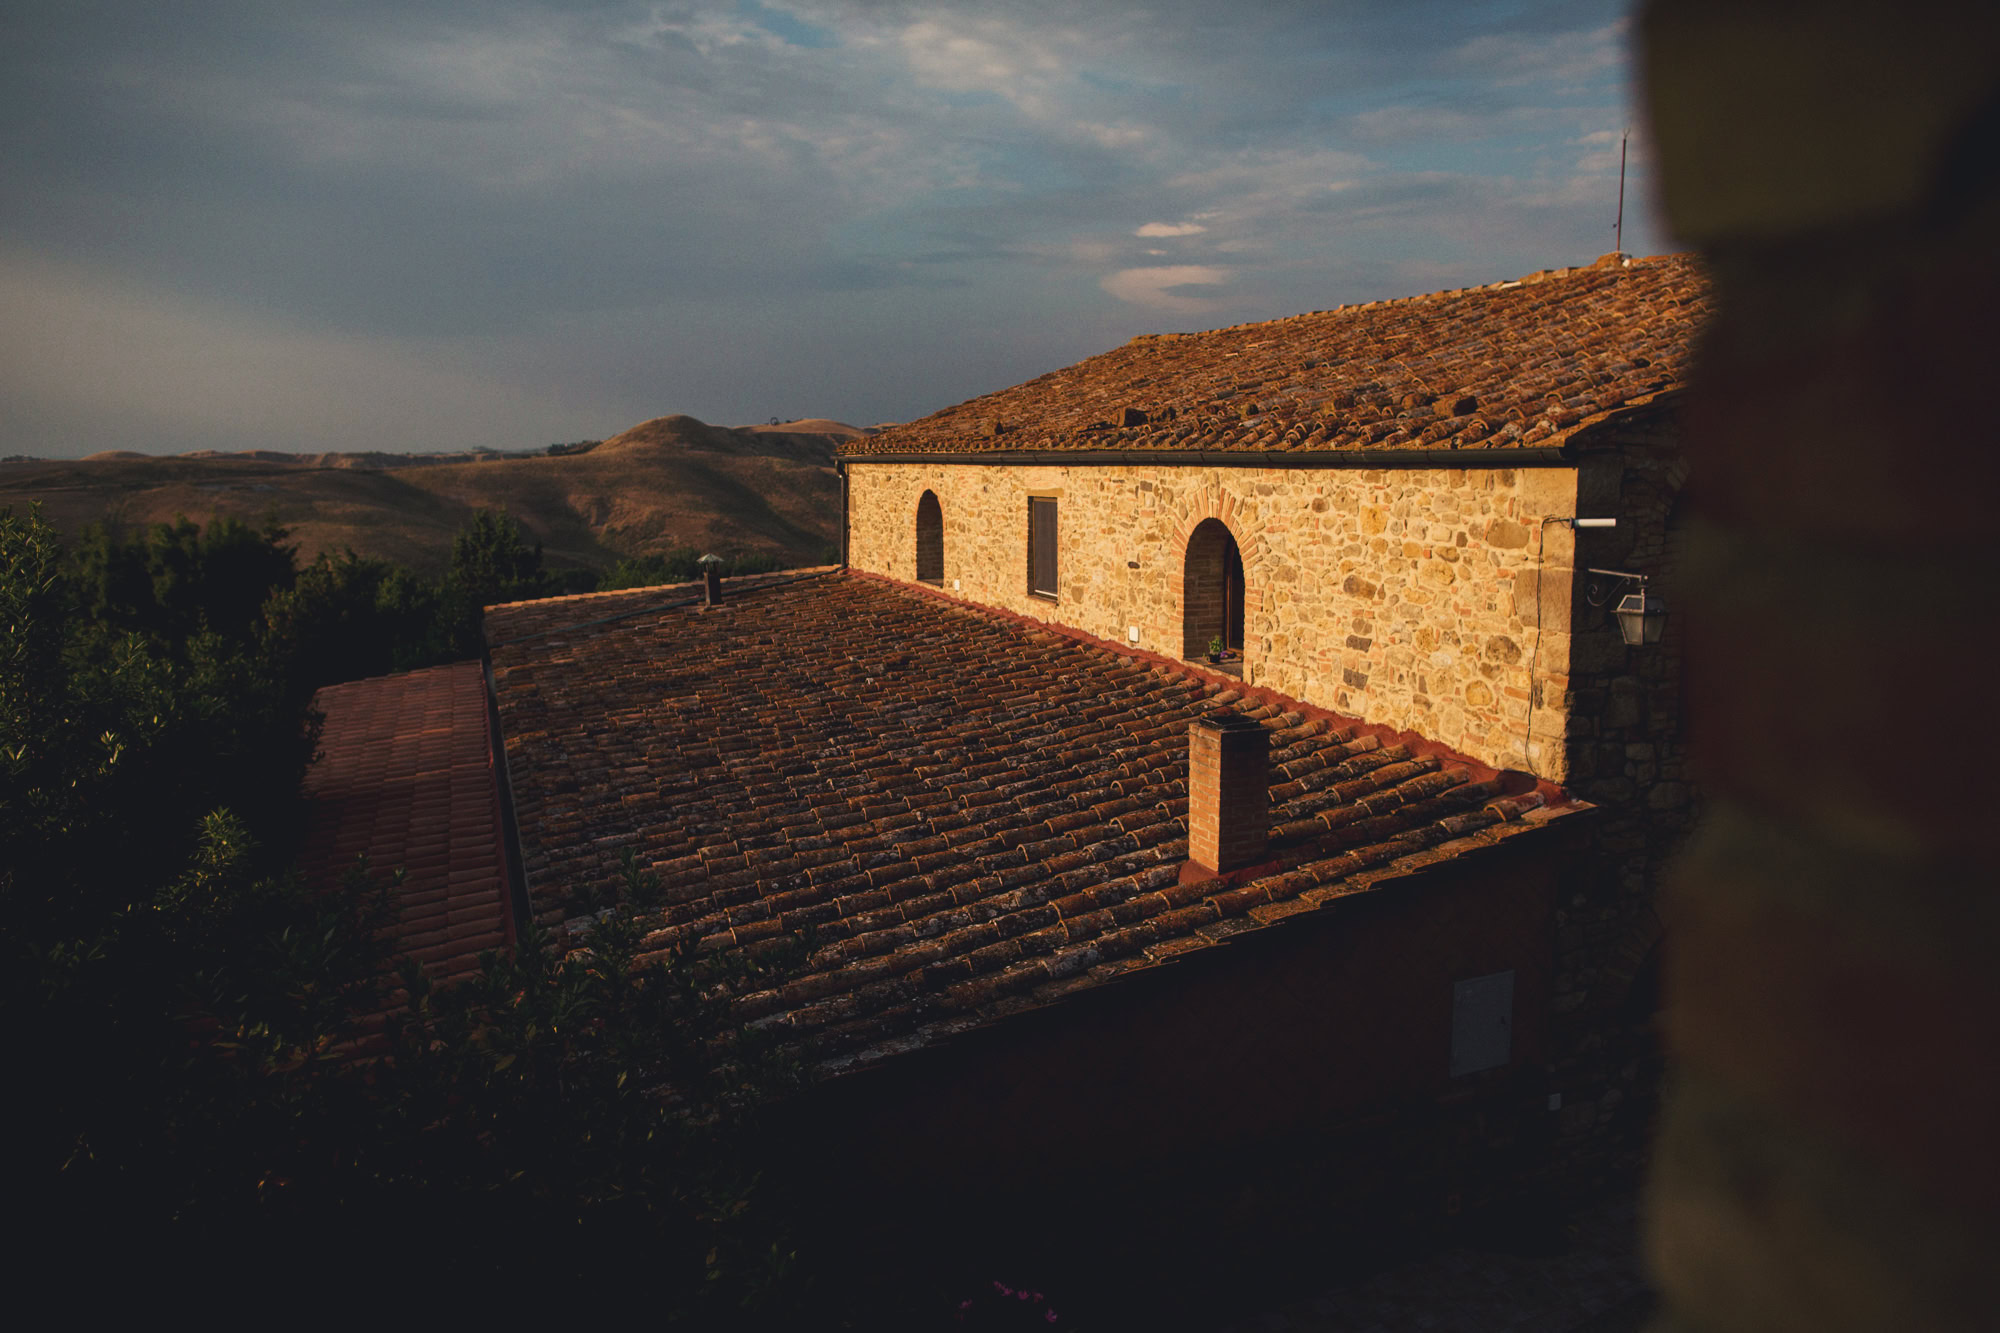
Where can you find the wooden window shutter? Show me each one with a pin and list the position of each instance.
(1042, 547)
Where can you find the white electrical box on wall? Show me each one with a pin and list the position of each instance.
(1482, 1023)
(1132, 633)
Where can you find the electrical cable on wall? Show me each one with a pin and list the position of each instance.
(1535, 653)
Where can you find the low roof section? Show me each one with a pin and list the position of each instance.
(406, 778)
(974, 814)
(1520, 364)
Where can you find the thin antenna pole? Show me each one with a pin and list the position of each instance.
(1618, 227)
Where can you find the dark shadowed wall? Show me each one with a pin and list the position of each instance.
(1294, 1082)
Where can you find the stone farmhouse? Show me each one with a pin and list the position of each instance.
(1372, 508)
(1371, 504)
(1358, 913)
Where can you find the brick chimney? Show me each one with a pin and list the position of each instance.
(711, 579)
(1229, 792)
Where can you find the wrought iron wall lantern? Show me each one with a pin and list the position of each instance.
(1641, 613)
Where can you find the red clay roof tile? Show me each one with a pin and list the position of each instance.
(971, 816)
(1509, 365)
(405, 777)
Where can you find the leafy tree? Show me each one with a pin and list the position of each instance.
(490, 561)
(114, 740)
(177, 579)
(211, 1073)
(351, 618)
(602, 1098)
(348, 618)
(113, 745)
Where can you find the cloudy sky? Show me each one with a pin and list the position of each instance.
(409, 226)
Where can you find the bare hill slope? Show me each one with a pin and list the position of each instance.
(809, 426)
(672, 481)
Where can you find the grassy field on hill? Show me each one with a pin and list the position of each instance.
(670, 482)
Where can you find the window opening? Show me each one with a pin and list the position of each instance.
(1042, 547)
(930, 539)
(1212, 592)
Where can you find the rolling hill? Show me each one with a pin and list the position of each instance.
(672, 481)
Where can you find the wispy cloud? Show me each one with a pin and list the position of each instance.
(1548, 60)
(1160, 288)
(658, 205)
(1433, 122)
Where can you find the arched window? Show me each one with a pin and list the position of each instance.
(1211, 590)
(930, 539)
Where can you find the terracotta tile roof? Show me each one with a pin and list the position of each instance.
(405, 777)
(974, 815)
(1514, 364)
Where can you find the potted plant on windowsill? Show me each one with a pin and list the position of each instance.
(1216, 652)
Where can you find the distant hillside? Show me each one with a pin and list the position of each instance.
(672, 481)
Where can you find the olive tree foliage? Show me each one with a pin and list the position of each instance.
(601, 1098)
(171, 580)
(350, 617)
(129, 733)
(129, 708)
(347, 618)
(213, 1058)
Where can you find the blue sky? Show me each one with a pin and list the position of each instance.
(416, 226)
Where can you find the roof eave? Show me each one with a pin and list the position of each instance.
(1251, 458)
(936, 1040)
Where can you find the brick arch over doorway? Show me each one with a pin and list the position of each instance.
(930, 539)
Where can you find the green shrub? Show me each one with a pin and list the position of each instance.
(682, 564)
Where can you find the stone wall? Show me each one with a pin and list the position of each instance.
(1410, 597)
(1627, 755)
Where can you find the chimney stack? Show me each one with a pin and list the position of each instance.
(1229, 791)
(711, 579)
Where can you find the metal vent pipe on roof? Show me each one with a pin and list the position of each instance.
(711, 579)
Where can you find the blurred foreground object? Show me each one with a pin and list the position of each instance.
(1827, 1158)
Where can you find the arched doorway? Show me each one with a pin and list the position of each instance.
(930, 539)
(1211, 590)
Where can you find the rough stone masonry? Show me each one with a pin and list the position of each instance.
(1410, 597)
